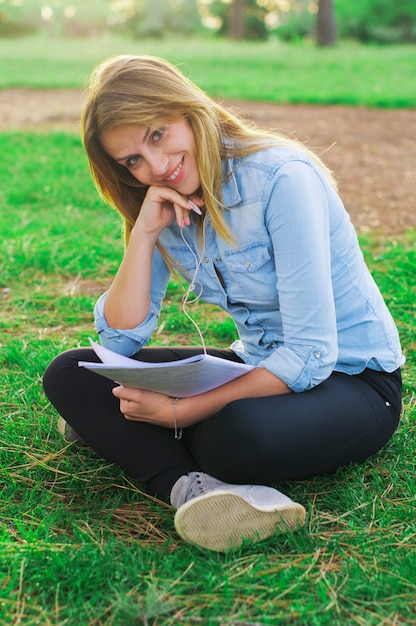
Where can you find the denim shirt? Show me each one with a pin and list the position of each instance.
(295, 282)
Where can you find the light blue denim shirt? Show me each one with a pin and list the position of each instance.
(295, 282)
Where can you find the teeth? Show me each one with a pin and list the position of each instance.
(175, 173)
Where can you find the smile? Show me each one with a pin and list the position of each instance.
(175, 173)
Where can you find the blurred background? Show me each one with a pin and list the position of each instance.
(326, 21)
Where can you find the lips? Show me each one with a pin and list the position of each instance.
(176, 176)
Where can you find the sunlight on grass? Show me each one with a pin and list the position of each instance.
(349, 73)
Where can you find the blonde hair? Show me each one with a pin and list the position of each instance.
(148, 91)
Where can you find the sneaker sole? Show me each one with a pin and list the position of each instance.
(222, 521)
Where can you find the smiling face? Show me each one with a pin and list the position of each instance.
(164, 155)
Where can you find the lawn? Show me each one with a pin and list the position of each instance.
(81, 544)
(271, 71)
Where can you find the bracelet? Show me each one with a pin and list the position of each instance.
(178, 433)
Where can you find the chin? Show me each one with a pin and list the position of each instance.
(192, 189)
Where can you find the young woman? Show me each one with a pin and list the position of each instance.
(253, 222)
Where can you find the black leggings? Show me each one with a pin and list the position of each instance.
(255, 440)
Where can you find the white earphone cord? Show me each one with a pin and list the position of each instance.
(191, 286)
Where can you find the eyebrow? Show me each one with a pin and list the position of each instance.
(126, 158)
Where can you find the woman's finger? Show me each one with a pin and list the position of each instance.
(182, 205)
(127, 393)
(182, 213)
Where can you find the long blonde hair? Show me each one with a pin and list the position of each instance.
(148, 91)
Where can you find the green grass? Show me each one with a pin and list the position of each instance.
(80, 544)
(350, 73)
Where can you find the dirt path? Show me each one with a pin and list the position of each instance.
(372, 151)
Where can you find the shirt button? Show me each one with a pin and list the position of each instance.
(246, 264)
(206, 259)
(318, 355)
(218, 259)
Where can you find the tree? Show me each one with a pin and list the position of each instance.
(383, 21)
(237, 20)
(326, 30)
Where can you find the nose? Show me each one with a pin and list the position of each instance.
(158, 163)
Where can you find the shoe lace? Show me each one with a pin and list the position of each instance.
(196, 486)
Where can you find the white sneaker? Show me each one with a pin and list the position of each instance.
(69, 434)
(220, 516)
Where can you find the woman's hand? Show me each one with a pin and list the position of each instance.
(145, 406)
(161, 206)
(128, 300)
(157, 408)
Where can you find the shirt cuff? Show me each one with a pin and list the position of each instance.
(125, 342)
(300, 373)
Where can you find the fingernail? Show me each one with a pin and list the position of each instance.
(194, 207)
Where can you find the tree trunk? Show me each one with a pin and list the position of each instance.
(326, 31)
(237, 19)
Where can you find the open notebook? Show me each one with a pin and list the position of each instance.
(179, 379)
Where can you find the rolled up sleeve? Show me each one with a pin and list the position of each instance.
(129, 341)
(300, 370)
(122, 341)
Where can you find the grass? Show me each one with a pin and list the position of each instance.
(81, 543)
(350, 73)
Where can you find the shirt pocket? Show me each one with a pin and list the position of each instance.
(183, 259)
(251, 275)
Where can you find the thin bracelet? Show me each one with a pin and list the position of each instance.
(178, 433)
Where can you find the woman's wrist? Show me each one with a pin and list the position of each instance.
(141, 234)
(188, 411)
(177, 431)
